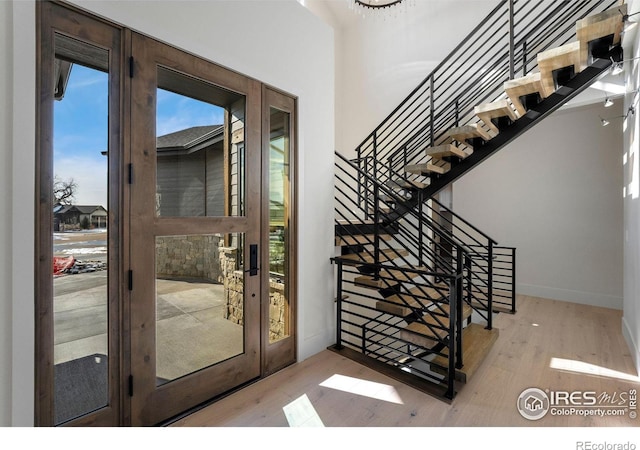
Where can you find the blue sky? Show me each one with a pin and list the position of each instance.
(80, 129)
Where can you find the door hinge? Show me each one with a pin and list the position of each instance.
(130, 385)
(130, 281)
(130, 66)
(130, 173)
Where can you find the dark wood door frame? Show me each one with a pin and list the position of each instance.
(59, 17)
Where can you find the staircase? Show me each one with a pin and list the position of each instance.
(417, 286)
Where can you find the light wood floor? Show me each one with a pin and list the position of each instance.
(542, 333)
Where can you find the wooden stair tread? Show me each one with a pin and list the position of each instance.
(476, 344)
(412, 184)
(387, 278)
(446, 150)
(494, 110)
(596, 26)
(385, 255)
(423, 335)
(516, 88)
(360, 239)
(556, 58)
(403, 305)
(426, 168)
(470, 131)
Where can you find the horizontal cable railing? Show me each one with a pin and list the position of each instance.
(502, 47)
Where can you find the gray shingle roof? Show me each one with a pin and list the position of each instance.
(189, 137)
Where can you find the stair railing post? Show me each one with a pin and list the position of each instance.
(457, 112)
(457, 311)
(420, 228)
(512, 67)
(431, 110)
(376, 229)
(359, 177)
(339, 306)
(490, 288)
(513, 280)
(451, 372)
(524, 58)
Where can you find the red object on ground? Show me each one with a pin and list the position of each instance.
(60, 264)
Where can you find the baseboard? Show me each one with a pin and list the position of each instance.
(568, 295)
(631, 342)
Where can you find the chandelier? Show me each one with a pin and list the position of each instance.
(376, 3)
(377, 7)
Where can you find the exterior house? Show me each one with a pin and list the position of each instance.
(72, 217)
(191, 167)
(347, 75)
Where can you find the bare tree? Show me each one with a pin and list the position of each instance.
(64, 191)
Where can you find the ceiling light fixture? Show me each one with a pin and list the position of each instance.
(630, 111)
(608, 102)
(617, 67)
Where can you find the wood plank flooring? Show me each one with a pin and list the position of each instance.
(538, 347)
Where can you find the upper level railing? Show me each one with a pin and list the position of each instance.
(503, 46)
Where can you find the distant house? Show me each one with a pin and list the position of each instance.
(66, 217)
(191, 172)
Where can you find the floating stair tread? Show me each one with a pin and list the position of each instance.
(494, 110)
(423, 335)
(387, 278)
(476, 344)
(470, 131)
(360, 239)
(404, 304)
(410, 184)
(427, 168)
(385, 255)
(556, 58)
(597, 26)
(446, 150)
(516, 88)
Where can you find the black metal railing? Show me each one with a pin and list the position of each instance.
(503, 46)
(367, 327)
(429, 233)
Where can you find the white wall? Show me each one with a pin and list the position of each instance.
(382, 60)
(631, 160)
(277, 42)
(555, 195)
(6, 42)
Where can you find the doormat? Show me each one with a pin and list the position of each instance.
(80, 386)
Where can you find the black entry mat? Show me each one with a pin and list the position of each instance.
(80, 387)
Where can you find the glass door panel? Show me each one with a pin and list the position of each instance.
(199, 302)
(279, 169)
(279, 208)
(80, 217)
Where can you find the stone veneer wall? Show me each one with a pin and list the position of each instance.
(196, 257)
(277, 305)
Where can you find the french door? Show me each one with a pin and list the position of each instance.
(196, 292)
(195, 231)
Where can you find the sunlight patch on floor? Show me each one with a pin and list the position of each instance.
(363, 387)
(301, 413)
(571, 365)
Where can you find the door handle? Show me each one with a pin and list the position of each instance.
(253, 260)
